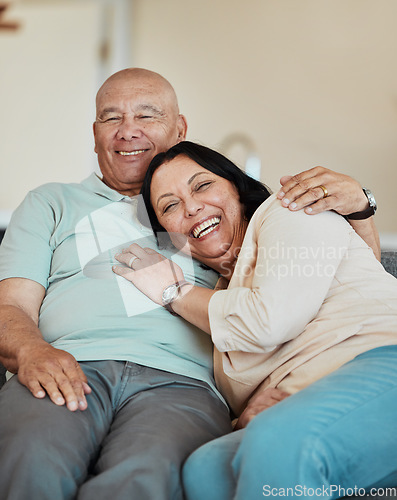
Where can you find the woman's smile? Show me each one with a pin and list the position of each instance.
(202, 229)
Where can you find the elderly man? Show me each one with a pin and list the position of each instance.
(112, 393)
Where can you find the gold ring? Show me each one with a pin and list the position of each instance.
(132, 260)
(325, 191)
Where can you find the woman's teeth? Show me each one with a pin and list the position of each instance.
(205, 227)
(131, 153)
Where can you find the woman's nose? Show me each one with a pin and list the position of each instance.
(193, 206)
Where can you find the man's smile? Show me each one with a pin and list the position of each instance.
(131, 153)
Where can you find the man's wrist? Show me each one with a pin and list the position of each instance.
(369, 211)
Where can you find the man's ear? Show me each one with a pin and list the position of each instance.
(94, 130)
(182, 128)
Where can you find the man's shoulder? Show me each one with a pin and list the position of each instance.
(59, 189)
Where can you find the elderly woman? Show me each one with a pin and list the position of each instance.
(308, 310)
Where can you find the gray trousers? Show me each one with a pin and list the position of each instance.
(140, 426)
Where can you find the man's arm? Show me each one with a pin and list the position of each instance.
(345, 196)
(40, 367)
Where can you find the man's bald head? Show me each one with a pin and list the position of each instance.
(137, 117)
(140, 77)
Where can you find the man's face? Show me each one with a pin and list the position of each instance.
(137, 117)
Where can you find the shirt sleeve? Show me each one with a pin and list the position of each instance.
(283, 275)
(25, 251)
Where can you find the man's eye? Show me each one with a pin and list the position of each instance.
(145, 117)
(112, 119)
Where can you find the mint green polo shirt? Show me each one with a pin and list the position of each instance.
(65, 236)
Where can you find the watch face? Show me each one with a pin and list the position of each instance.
(371, 198)
(170, 293)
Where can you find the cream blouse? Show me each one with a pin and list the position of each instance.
(307, 295)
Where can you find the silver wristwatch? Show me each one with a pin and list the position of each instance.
(368, 211)
(170, 293)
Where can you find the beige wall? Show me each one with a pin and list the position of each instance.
(50, 71)
(310, 81)
(48, 79)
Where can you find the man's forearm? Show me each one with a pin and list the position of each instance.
(367, 230)
(18, 333)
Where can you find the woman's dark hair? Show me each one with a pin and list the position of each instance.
(252, 192)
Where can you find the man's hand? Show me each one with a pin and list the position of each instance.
(258, 403)
(345, 195)
(44, 369)
(40, 367)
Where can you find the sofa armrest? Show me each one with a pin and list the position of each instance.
(389, 261)
(2, 374)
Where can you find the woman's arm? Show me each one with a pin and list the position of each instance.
(297, 257)
(280, 280)
(152, 273)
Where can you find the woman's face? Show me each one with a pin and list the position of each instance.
(201, 211)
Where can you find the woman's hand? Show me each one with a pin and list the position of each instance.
(258, 403)
(148, 270)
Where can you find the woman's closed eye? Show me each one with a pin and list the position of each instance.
(202, 186)
(169, 206)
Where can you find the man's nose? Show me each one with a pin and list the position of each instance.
(129, 129)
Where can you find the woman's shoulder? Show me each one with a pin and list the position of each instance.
(272, 207)
(271, 215)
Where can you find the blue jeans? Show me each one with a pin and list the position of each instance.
(338, 434)
(140, 426)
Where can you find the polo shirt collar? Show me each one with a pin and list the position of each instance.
(95, 184)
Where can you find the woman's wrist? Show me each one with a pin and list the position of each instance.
(192, 305)
(183, 292)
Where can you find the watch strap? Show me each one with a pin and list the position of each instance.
(368, 212)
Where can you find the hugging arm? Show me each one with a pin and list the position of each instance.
(345, 196)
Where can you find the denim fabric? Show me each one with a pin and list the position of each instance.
(140, 425)
(338, 434)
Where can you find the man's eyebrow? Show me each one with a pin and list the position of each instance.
(107, 111)
(165, 195)
(151, 108)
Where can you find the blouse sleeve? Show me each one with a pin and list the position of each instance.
(282, 277)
